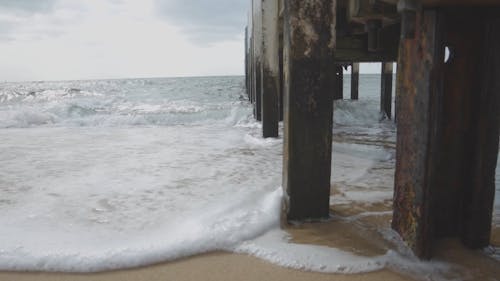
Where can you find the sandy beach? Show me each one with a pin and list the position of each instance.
(216, 266)
(360, 238)
(353, 228)
(227, 266)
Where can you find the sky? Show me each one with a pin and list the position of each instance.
(97, 39)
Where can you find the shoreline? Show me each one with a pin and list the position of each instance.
(360, 237)
(222, 266)
(219, 266)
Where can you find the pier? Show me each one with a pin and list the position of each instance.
(447, 103)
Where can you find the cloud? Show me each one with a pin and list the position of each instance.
(205, 21)
(27, 6)
(15, 14)
(120, 38)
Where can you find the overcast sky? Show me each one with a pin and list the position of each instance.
(68, 39)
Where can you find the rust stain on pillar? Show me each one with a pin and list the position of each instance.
(470, 122)
(309, 42)
(448, 128)
(414, 157)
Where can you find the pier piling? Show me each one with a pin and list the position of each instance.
(447, 128)
(247, 88)
(447, 107)
(338, 93)
(251, 60)
(355, 81)
(386, 89)
(270, 69)
(280, 56)
(309, 41)
(257, 50)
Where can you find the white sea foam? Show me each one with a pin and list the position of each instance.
(99, 175)
(274, 247)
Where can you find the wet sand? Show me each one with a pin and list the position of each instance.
(215, 266)
(222, 266)
(360, 239)
(354, 228)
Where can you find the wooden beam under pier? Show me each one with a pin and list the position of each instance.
(354, 47)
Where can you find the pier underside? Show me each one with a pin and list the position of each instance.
(447, 103)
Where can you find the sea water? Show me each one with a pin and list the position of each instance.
(108, 174)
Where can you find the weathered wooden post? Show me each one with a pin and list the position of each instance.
(386, 90)
(309, 42)
(270, 69)
(257, 44)
(355, 81)
(448, 128)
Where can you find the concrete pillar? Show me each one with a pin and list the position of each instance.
(355, 81)
(309, 42)
(257, 44)
(270, 69)
(386, 89)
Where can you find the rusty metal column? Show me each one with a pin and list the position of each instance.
(448, 128)
(309, 42)
(415, 155)
(355, 81)
(386, 89)
(472, 74)
(270, 69)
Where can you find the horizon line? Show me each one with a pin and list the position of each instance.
(149, 77)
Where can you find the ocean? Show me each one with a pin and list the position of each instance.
(107, 174)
